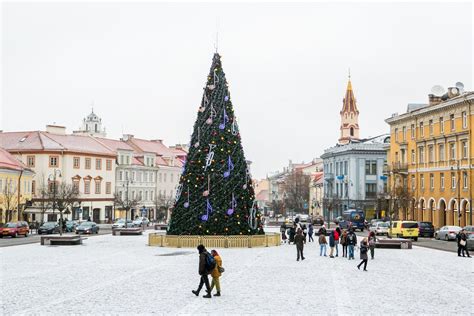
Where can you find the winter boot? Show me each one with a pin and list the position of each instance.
(217, 294)
(195, 292)
(208, 295)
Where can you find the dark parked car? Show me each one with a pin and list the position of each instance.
(48, 228)
(426, 229)
(319, 221)
(71, 226)
(87, 228)
(470, 242)
(469, 229)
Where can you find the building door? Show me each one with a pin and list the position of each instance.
(442, 214)
(85, 213)
(108, 214)
(96, 215)
(52, 217)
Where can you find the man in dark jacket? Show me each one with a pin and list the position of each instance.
(203, 272)
(300, 240)
(462, 242)
(351, 242)
(458, 239)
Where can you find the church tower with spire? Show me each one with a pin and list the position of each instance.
(349, 117)
(91, 125)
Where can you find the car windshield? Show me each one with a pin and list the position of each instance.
(49, 224)
(425, 224)
(120, 221)
(86, 224)
(454, 228)
(471, 236)
(409, 225)
(383, 225)
(11, 225)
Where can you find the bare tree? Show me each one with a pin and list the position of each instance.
(296, 187)
(125, 203)
(278, 208)
(43, 200)
(63, 199)
(162, 205)
(10, 199)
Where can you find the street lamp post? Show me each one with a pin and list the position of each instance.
(52, 177)
(127, 200)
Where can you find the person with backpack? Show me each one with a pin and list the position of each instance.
(343, 241)
(372, 240)
(310, 233)
(299, 242)
(363, 254)
(337, 233)
(351, 242)
(463, 243)
(332, 244)
(206, 265)
(216, 273)
(322, 245)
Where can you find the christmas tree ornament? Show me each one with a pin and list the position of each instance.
(233, 206)
(206, 216)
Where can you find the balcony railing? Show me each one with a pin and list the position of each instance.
(399, 167)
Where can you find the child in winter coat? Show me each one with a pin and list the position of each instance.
(322, 245)
(216, 274)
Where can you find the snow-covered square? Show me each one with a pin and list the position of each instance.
(111, 275)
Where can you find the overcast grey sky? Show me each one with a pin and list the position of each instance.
(144, 66)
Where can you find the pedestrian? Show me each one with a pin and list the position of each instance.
(204, 270)
(322, 230)
(216, 273)
(310, 233)
(304, 231)
(458, 239)
(299, 242)
(292, 235)
(372, 240)
(322, 244)
(343, 241)
(332, 244)
(283, 233)
(363, 254)
(463, 243)
(351, 242)
(337, 233)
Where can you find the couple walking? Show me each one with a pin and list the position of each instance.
(209, 263)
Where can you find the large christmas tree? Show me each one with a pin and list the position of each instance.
(215, 195)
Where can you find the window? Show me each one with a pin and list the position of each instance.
(422, 130)
(413, 157)
(146, 195)
(413, 182)
(128, 160)
(152, 195)
(76, 162)
(140, 195)
(146, 177)
(33, 186)
(87, 186)
(152, 177)
(75, 185)
(345, 167)
(108, 188)
(453, 180)
(159, 177)
(172, 175)
(431, 127)
(133, 175)
(451, 120)
(120, 175)
(370, 189)
(126, 175)
(441, 152)
(404, 133)
(98, 164)
(464, 120)
(53, 161)
(413, 131)
(464, 180)
(370, 167)
(133, 195)
(88, 163)
(421, 156)
(464, 149)
(352, 131)
(97, 187)
(108, 164)
(452, 151)
(121, 159)
(139, 175)
(396, 134)
(430, 153)
(164, 177)
(441, 180)
(441, 125)
(431, 181)
(30, 161)
(422, 181)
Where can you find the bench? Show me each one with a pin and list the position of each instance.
(62, 240)
(127, 231)
(394, 243)
(161, 227)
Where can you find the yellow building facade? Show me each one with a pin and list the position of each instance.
(15, 187)
(431, 156)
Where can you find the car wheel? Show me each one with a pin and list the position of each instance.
(436, 236)
(26, 234)
(446, 238)
(15, 235)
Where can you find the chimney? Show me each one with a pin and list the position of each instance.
(453, 92)
(433, 100)
(127, 137)
(56, 129)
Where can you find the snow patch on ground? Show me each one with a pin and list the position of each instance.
(121, 275)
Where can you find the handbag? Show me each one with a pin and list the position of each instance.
(462, 242)
(220, 269)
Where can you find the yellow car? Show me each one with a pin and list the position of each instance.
(404, 229)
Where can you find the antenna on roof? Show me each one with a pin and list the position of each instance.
(437, 90)
(216, 44)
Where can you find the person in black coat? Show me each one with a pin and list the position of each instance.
(203, 272)
(463, 243)
(364, 247)
(351, 243)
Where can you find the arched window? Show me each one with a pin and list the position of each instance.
(352, 131)
(96, 128)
